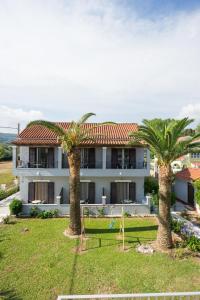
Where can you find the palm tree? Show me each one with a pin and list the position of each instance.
(71, 139)
(166, 142)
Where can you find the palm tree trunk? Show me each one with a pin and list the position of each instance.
(74, 187)
(164, 236)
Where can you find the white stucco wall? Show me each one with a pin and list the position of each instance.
(100, 183)
(181, 189)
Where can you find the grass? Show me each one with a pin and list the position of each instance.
(41, 263)
(6, 176)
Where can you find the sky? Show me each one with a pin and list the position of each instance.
(124, 60)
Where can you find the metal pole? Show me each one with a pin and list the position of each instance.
(18, 128)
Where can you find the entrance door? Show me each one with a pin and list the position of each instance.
(190, 194)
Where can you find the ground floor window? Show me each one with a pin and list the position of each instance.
(43, 191)
(122, 191)
(87, 192)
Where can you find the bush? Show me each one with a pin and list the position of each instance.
(34, 212)
(6, 220)
(101, 212)
(193, 243)
(197, 191)
(176, 226)
(37, 213)
(9, 192)
(86, 212)
(15, 207)
(150, 185)
(127, 214)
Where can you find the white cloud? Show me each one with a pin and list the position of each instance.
(68, 57)
(192, 111)
(10, 117)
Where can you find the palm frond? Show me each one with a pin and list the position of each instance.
(85, 117)
(50, 125)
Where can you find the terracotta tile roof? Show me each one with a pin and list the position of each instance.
(189, 174)
(104, 135)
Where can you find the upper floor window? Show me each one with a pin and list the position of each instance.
(41, 157)
(195, 155)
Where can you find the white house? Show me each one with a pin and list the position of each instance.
(112, 171)
(183, 188)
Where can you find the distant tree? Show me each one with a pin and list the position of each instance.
(198, 128)
(5, 152)
(2, 152)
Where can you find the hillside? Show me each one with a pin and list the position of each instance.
(6, 138)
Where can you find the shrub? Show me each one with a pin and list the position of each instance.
(55, 213)
(15, 207)
(197, 191)
(86, 211)
(101, 212)
(9, 192)
(150, 185)
(176, 226)
(193, 243)
(127, 214)
(6, 220)
(34, 212)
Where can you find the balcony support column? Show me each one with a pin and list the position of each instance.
(14, 155)
(148, 158)
(59, 158)
(104, 158)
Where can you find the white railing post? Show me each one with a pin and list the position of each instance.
(14, 156)
(59, 158)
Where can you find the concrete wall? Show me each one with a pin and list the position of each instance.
(110, 210)
(181, 189)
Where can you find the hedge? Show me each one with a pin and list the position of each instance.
(9, 192)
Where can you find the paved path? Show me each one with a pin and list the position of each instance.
(4, 205)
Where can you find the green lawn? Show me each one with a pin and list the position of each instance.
(41, 263)
(6, 176)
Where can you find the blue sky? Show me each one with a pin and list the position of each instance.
(124, 60)
(159, 8)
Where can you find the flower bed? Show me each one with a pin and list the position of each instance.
(187, 228)
(188, 231)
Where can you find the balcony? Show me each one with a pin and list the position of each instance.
(126, 165)
(36, 164)
(95, 162)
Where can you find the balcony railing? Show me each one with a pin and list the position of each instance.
(98, 164)
(36, 165)
(124, 165)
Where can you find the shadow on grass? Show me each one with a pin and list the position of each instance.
(96, 242)
(9, 295)
(73, 271)
(128, 229)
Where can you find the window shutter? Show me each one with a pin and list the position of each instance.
(91, 192)
(50, 192)
(31, 191)
(132, 191)
(32, 157)
(132, 158)
(50, 158)
(91, 158)
(113, 192)
(114, 158)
